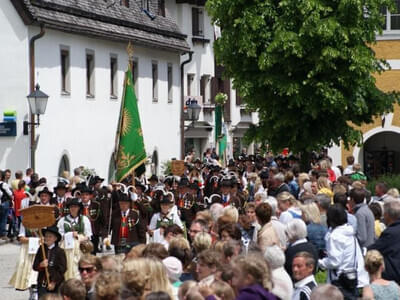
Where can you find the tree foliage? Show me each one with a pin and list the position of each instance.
(304, 65)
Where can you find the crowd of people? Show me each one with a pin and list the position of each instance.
(255, 229)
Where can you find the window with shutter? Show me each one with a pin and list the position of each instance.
(197, 21)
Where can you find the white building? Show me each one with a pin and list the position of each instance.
(80, 62)
(203, 77)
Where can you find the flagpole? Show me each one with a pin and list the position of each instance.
(129, 50)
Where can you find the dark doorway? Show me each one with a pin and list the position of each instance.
(382, 154)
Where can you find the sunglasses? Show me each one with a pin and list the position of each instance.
(88, 270)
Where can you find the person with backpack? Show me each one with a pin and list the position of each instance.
(6, 197)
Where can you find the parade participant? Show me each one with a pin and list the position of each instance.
(81, 230)
(153, 181)
(128, 229)
(142, 202)
(89, 269)
(92, 210)
(24, 276)
(55, 262)
(187, 203)
(168, 214)
(60, 198)
(226, 197)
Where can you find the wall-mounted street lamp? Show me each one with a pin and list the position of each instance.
(37, 104)
(193, 110)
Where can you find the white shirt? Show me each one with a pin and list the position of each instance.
(172, 215)
(86, 224)
(286, 216)
(301, 286)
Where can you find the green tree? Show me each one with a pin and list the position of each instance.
(304, 65)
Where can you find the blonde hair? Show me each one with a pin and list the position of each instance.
(393, 192)
(136, 252)
(232, 213)
(323, 183)
(180, 242)
(202, 241)
(185, 287)
(146, 272)
(285, 197)
(219, 246)
(223, 290)
(311, 213)
(108, 286)
(373, 261)
(205, 215)
(339, 189)
(303, 177)
(255, 266)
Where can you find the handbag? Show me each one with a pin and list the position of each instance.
(348, 278)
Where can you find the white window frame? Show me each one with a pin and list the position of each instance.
(65, 81)
(154, 79)
(170, 82)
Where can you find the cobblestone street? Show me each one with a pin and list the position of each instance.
(8, 258)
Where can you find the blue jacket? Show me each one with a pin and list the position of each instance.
(388, 245)
(316, 235)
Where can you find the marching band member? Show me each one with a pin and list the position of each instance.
(81, 230)
(128, 228)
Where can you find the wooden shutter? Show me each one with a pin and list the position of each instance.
(203, 88)
(195, 21)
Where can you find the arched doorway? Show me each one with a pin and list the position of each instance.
(63, 166)
(382, 154)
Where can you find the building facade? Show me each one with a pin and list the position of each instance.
(79, 61)
(380, 152)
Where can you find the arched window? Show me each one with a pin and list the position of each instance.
(64, 166)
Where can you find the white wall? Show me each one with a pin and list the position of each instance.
(14, 151)
(84, 128)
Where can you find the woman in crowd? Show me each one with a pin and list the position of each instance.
(288, 207)
(81, 229)
(379, 288)
(142, 276)
(251, 278)
(267, 235)
(282, 283)
(315, 230)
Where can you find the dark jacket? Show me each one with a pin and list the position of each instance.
(291, 252)
(136, 228)
(57, 265)
(388, 245)
(255, 292)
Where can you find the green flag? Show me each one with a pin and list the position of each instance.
(131, 153)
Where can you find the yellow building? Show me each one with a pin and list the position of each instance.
(380, 152)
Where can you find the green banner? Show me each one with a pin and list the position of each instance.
(131, 153)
